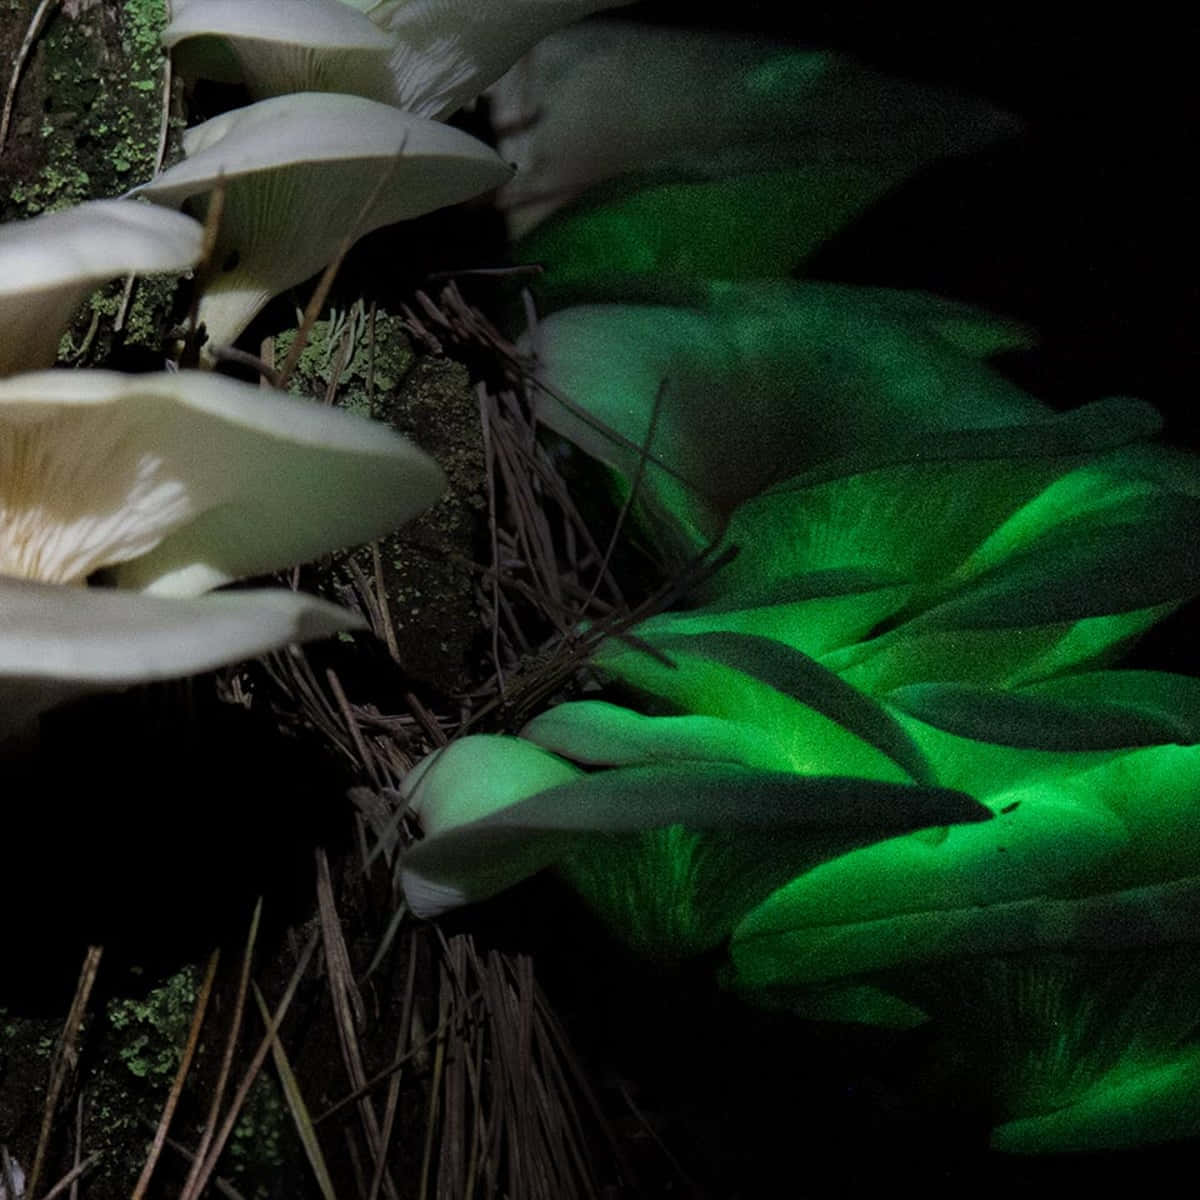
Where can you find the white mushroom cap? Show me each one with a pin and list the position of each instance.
(450, 50)
(298, 171)
(280, 46)
(60, 642)
(429, 57)
(180, 482)
(49, 264)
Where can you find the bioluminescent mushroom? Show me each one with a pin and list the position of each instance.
(179, 482)
(49, 263)
(304, 173)
(753, 383)
(428, 57)
(670, 855)
(1091, 859)
(1080, 1052)
(1091, 781)
(666, 108)
(1093, 853)
(996, 571)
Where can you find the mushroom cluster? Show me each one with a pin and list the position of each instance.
(884, 746)
(347, 130)
(880, 762)
(124, 499)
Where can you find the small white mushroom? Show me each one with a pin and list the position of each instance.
(279, 46)
(429, 57)
(57, 643)
(49, 264)
(179, 482)
(448, 51)
(301, 174)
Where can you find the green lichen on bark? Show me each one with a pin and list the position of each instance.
(425, 566)
(89, 111)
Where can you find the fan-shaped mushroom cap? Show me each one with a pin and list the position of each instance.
(450, 50)
(60, 642)
(750, 383)
(429, 57)
(179, 482)
(280, 46)
(304, 172)
(49, 264)
(611, 98)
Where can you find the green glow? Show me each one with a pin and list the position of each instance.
(672, 855)
(761, 224)
(752, 383)
(1080, 1051)
(810, 740)
(1128, 822)
(709, 153)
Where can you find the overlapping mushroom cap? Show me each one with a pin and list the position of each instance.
(279, 46)
(303, 173)
(57, 643)
(448, 51)
(428, 57)
(1088, 788)
(49, 264)
(928, 564)
(172, 484)
(671, 853)
(723, 155)
(744, 385)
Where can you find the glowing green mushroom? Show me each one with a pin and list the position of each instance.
(722, 155)
(745, 385)
(1087, 1052)
(1090, 848)
(669, 850)
(1014, 566)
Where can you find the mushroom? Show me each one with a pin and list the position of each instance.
(670, 854)
(448, 51)
(49, 263)
(169, 485)
(182, 481)
(428, 57)
(1093, 843)
(304, 173)
(57, 643)
(280, 46)
(709, 397)
(611, 100)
